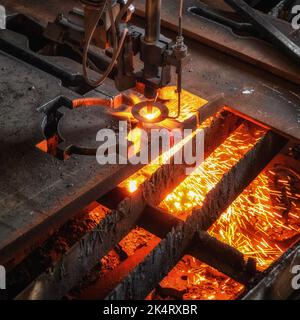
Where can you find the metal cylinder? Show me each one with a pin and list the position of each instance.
(153, 12)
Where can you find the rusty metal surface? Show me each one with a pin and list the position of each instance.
(38, 191)
(222, 38)
(99, 289)
(41, 11)
(279, 32)
(252, 92)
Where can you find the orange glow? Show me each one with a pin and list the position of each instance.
(136, 239)
(136, 97)
(146, 172)
(193, 190)
(132, 186)
(134, 136)
(263, 221)
(190, 104)
(154, 114)
(196, 280)
(43, 146)
(255, 223)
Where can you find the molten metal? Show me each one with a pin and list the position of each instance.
(152, 115)
(262, 223)
(193, 190)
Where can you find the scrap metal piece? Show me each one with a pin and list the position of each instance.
(79, 127)
(17, 45)
(223, 17)
(224, 258)
(276, 31)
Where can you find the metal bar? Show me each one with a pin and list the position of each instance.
(157, 221)
(152, 32)
(223, 257)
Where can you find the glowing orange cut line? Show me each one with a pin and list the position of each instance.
(193, 190)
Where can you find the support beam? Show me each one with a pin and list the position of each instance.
(99, 289)
(157, 221)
